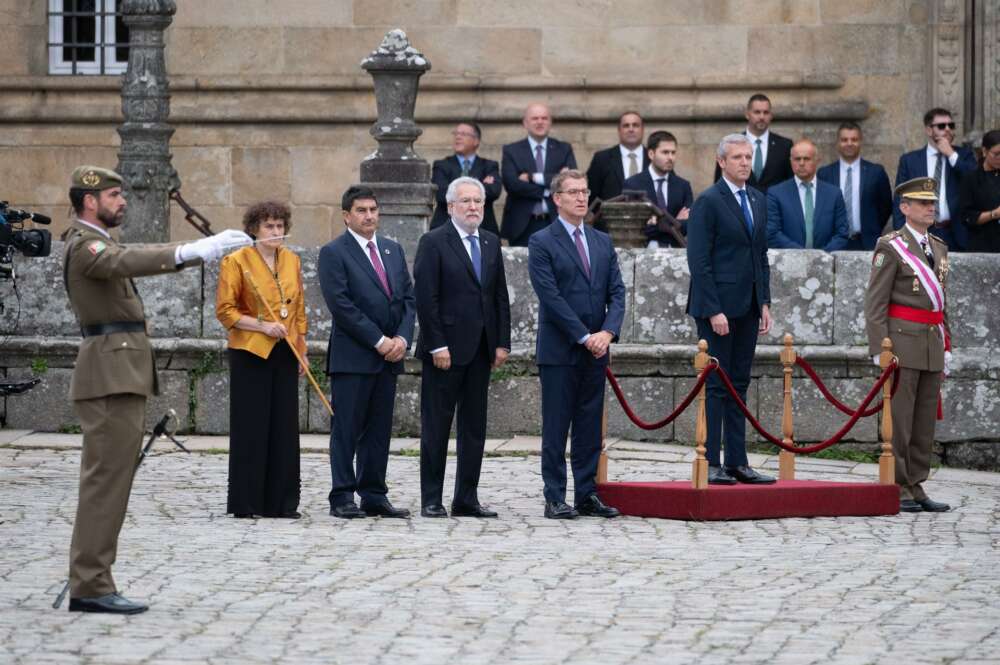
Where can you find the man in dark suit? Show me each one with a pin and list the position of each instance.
(941, 160)
(527, 169)
(663, 187)
(465, 162)
(610, 167)
(368, 291)
(730, 298)
(865, 188)
(464, 315)
(581, 304)
(805, 213)
(771, 152)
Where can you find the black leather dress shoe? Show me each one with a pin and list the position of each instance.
(718, 476)
(243, 516)
(931, 506)
(910, 506)
(384, 509)
(745, 474)
(559, 510)
(477, 510)
(433, 510)
(592, 506)
(292, 515)
(110, 603)
(347, 511)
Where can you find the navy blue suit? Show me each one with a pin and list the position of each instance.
(679, 196)
(363, 384)
(875, 200)
(914, 165)
(729, 275)
(570, 306)
(518, 224)
(448, 169)
(471, 317)
(786, 223)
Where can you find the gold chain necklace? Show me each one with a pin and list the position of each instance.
(283, 311)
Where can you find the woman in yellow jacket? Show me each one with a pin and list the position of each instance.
(263, 371)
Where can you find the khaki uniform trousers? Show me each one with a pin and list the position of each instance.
(914, 415)
(112, 439)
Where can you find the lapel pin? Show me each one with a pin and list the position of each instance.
(386, 250)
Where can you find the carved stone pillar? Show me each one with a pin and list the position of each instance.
(399, 176)
(985, 112)
(144, 160)
(947, 59)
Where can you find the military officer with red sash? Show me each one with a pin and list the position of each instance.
(906, 302)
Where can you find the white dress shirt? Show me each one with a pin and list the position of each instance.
(626, 162)
(764, 138)
(854, 205)
(800, 185)
(363, 243)
(932, 154)
(539, 178)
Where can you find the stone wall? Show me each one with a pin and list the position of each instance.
(269, 99)
(818, 298)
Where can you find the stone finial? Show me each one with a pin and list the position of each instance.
(395, 52)
(155, 7)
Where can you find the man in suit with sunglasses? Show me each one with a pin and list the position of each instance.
(940, 160)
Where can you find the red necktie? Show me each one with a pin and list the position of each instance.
(379, 270)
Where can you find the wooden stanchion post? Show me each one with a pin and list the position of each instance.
(602, 460)
(886, 461)
(786, 460)
(699, 467)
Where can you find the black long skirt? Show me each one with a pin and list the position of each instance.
(263, 433)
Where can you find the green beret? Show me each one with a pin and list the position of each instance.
(95, 178)
(922, 189)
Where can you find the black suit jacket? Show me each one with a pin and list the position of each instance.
(522, 196)
(778, 166)
(606, 175)
(453, 307)
(728, 265)
(679, 195)
(448, 169)
(875, 201)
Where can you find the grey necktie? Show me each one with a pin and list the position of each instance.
(465, 166)
(849, 198)
(758, 161)
(938, 175)
(633, 165)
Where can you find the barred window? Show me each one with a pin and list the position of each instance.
(87, 37)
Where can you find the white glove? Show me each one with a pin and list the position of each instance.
(876, 360)
(947, 363)
(212, 247)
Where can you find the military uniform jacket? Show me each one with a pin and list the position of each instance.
(98, 272)
(919, 346)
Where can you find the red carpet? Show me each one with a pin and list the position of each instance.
(787, 498)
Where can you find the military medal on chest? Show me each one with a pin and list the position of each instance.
(916, 285)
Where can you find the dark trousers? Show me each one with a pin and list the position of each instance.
(467, 387)
(735, 353)
(855, 244)
(535, 223)
(362, 423)
(572, 396)
(263, 432)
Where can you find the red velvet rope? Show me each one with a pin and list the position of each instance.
(843, 408)
(639, 422)
(805, 450)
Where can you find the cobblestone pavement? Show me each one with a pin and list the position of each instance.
(918, 588)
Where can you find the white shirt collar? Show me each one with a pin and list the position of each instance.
(920, 237)
(534, 144)
(800, 182)
(97, 228)
(462, 233)
(733, 188)
(637, 151)
(656, 176)
(362, 241)
(844, 164)
(932, 151)
(763, 137)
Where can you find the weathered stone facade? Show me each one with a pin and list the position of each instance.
(268, 99)
(818, 298)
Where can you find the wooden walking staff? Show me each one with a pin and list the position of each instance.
(886, 461)
(699, 467)
(298, 356)
(786, 459)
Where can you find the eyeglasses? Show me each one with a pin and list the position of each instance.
(574, 192)
(470, 201)
(470, 135)
(943, 125)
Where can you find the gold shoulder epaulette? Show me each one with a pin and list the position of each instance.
(891, 235)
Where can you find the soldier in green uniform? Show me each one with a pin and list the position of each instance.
(905, 302)
(115, 372)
